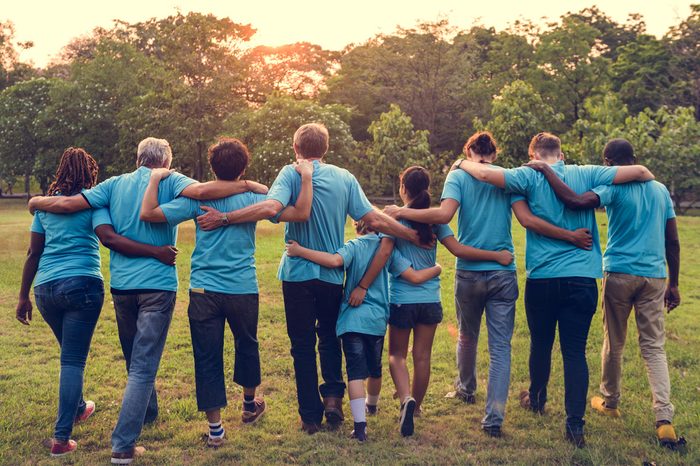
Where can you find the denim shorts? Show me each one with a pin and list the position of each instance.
(409, 315)
(363, 355)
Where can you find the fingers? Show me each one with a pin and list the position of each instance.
(206, 208)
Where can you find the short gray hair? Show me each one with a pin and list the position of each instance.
(153, 153)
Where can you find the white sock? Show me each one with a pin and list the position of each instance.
(216, 429)
(373, 400)
(357, 406)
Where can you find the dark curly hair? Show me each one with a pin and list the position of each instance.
(76, 171)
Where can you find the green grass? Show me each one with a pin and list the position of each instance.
(447, 433)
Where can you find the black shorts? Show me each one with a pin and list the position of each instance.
(363, 355)
(409, 315)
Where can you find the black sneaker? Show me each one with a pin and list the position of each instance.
(468, 398)
(576, 437)
(371, 409)
(492, 431)
(406, 421)
(359, 432)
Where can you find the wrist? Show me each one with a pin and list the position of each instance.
(224, 219)
(362, 287)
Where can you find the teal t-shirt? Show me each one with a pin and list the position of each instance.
(337, 194)
(372, 315)
(223, 260)
(123, 195)
(404, 292)
(484, 218)
(550, 258)
(637, 216)
(71, 248)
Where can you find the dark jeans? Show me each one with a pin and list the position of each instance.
(363, 355)
(208, 313)
(71, 307)
(143, 320)
(569, 302)
(311, 309)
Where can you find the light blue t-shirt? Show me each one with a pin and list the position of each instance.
(404, 292)
(484, 218)
(71, 248)
(372, 315)
(337, 194)
(637, 216)
(123, 195)
(223, 260)
(550, 258)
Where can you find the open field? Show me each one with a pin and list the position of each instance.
(448, 432)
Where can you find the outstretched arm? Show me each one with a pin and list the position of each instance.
(220, 188)
(23, 312)
(419, 276)
(123, 245)
(483, 172)
(377, 221)
(324, 259)
(301, 210)
(357, 296)
(587, 200)
(150, 210)
(673, 258)
(580, 238)
(58, 204)
(469, 253)
(434, 215)
(628, 173)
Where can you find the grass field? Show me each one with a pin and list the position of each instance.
(448, 433)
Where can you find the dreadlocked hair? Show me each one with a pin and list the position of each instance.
(416, 181)
(76, 171)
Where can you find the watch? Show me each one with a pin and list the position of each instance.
(224, 219)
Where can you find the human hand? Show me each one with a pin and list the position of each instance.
(416, 240)
(439, 268)
(167, 254)
(582, 238)
(161, 173)
(255, 187)
(672, 298)
(456, 165)
(211, 220)
(537, 165)
(292, 248)
(392, 211)
(23, 312)
(304, 167)
(357, 296)
(32, 204)
(505, 257)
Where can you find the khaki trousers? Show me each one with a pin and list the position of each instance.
(622, 292)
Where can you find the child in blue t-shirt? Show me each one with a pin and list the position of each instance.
(362, 327)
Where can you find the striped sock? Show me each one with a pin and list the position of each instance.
(249, 403)
(216, 430)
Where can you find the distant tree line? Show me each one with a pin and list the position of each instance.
(413, 96)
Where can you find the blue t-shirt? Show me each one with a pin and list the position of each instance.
(223, 260)
(550, 258)
(371, 316)
(71, 248)
(484, 219)
(123, 195)
(337, 194)
(404, 292)
(637, 216)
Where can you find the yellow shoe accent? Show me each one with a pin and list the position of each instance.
(598, 404)
(666, 434)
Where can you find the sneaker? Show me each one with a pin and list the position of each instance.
(492, 431)
(598, 404)
(215, 442)
(359, 432)
(577, 437)
(463, 396)
(63, 448)
(667, 437)
(310, 427)
(371, 409)
(526, 404)
(87, 412)
(406, 421)
(127, 457)
(249, 417)
(333, 410)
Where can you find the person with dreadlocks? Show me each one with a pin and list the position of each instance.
(64, 263)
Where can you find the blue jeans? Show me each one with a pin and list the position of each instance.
(143, 321)
(569, 303)
(496, 292)
(71, 307)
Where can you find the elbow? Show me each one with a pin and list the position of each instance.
(147, 216)
(33, 254)
(647, 175)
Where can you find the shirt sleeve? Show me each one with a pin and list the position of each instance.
(179, 182)
(598, 175)
(180, 209)
(518, 180)
(397, 263)
(606, 194)
(347, 251)
(443, 231)
(358, 204)
(101, 217)
(281, 189)
(100, 195)
(453, 187)
(516, 197)
(36, 226)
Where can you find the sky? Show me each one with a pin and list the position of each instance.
(51, 24)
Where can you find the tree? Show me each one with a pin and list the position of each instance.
(11, 69)
(518, 113)
(684, 40)
(613, 35)
(268, 132)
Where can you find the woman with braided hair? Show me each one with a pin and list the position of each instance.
(64, 263)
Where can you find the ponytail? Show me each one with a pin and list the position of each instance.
(416, 182)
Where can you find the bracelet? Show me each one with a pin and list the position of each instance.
(360, 286)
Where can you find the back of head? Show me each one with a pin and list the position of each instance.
(415, 181)
(76, 171)
(153, 153)
(228, 158)
(311, 140)
(619, 152)
(545, 145)
(482, 143)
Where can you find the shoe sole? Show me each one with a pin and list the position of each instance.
(122, 460)
(58, 455)
(407, 418)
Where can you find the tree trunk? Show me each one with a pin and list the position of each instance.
(26, 184)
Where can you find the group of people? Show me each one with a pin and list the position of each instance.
(340, 297)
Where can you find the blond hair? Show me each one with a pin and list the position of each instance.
(311, 140)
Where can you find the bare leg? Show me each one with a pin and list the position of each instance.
(398, 349)
(423, 336)
(374, 386)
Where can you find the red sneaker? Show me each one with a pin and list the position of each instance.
(61, 448)
(89, 411)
